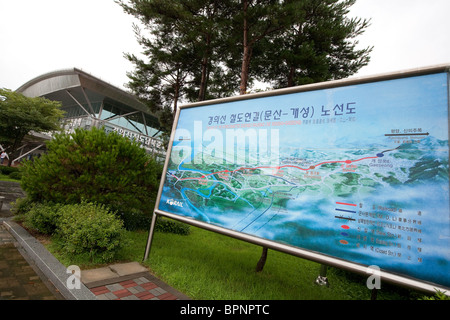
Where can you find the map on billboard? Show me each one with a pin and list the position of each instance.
(358, 172)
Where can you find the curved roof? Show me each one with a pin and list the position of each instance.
(80, 84)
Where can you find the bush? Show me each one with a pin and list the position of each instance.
(96, 166)
(8, 170)
(22, 206)
(15, 175)
(43, 217)
(91, 229)
(135, 220)
(170, 226)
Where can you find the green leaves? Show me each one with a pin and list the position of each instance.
(197, 50)
(318, 45)
(95, 166)
(19, 115)
(90, 228)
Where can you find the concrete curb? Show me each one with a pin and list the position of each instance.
(54, 270)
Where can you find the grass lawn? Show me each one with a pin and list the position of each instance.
(208, 266)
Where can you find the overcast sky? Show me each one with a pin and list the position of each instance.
(37, 37)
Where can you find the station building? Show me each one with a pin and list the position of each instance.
(91, 102)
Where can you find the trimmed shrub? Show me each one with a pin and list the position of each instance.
(135, 220)
(43, 217)
(15, 175)
(96, 166)
(88, 228)
(8, 170)
(21, 206)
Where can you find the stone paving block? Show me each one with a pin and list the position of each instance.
(148, 285)
(167, 296)
(155, 292)
(141, 280)
(140, 289)
(130, 289)
(18, 280)
(99, 274)
(160, 290)
(145, 296)
(128, 284)
(110, 296)
(122, 293)
(124, 269)
(100, 290)
(6, 294)
(114, 287)
(134, 290)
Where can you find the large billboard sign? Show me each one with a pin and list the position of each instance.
(352, 173)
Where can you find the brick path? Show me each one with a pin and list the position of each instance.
(127, 281)
(135, 289)
(18, 279)
(21, 278)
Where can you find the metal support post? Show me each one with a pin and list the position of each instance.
(322, 279)
(150, 236)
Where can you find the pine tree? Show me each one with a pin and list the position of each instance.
(319, 45)
(180, 51)
(206, 49)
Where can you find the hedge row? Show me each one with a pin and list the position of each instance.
(11, 172)
(87, 228)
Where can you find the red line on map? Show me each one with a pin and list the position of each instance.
(278, 168)
(347, 204)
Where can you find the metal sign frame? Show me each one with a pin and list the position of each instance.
(399, 279)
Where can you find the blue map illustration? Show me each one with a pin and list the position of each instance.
(360, 173)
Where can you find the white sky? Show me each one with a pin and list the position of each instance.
(406, 34)
(39, 36)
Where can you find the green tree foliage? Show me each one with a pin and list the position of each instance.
(254, 22)
(204, 49)
(318, 45)
(94, 166)
(19, 115)
(181, 53)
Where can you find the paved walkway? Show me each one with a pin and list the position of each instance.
(28, 271)
(127, 281)
(20, 279)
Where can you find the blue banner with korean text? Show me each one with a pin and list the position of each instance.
(358, 172)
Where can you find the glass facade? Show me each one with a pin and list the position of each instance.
(88, 101)
(134, 129)
(125, 117)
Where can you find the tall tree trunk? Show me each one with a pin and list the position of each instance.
(204, 76)
(176, 95)
(245, 69)
(175, 100)
(203, 80)
(247, 53)
(290, 82)
(242, 90)
(14, 153)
